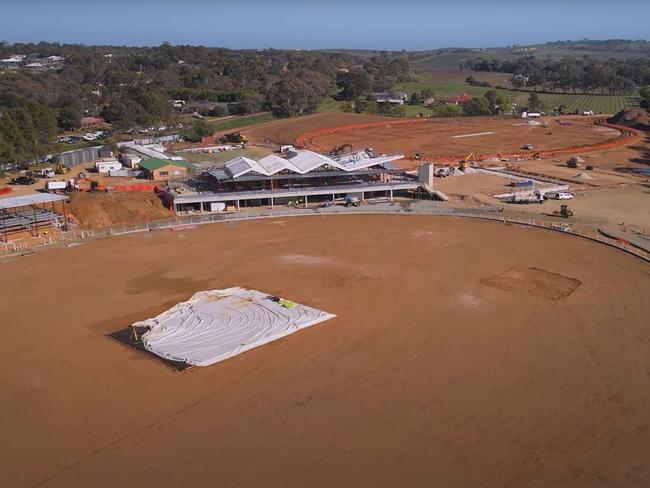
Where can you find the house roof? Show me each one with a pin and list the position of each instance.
(460, 99)
(154, 164)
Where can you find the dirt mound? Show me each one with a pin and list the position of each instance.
(636, 117)
(97, 210)
(533, 281)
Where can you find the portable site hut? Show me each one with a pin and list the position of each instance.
(108, 165)
(165, 169)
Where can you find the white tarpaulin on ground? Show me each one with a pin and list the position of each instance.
(218, 324)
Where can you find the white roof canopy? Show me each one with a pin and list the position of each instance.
(304, 162)
(26, 200)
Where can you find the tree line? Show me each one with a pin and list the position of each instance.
(582, 75)
(132, 87)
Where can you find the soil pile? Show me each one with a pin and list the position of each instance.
(635, 117)
(98, 210)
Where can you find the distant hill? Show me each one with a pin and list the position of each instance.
(451, 58)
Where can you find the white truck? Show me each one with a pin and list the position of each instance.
(45, 173)
(53, 186)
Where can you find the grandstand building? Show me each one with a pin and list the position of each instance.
(303, 176)
(30, 213)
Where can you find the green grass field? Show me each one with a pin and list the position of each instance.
(221, 157)
(243, 121)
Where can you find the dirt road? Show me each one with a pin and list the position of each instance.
(463, 354)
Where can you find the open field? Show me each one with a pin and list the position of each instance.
(451, 83)
(447, 137)
(237, 122)
(517, 354)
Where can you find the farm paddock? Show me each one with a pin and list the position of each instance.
(493, 355)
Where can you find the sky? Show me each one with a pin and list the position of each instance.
(307, 24)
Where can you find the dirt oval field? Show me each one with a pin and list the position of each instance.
(463, 354)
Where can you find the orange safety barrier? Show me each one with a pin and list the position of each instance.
(626, 136)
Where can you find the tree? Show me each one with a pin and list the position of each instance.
(534, 103)
(69, 118)
(645, 97)
(477, 106)
(491, 97)
(503, 103)
(291, 96)
(352, 84)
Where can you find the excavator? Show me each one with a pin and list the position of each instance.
(237, 138)
(61, 169)
(564, 212)
(465, 163)
(342, 149)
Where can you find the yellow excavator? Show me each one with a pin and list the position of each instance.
(342, 149)
(61, 169)
(237, 138)
(465, 163)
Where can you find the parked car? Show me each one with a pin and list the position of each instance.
(560, 195)
(22, 180)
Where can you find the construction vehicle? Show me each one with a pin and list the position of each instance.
(352, 201)
(342, 149)
(564, 212)
(465, 163)
(237, 138)
(61, 169)
(44, 173)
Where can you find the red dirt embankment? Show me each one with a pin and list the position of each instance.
(99, 210)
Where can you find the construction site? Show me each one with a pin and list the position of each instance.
(457, 292)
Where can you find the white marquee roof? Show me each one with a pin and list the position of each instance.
(303, 162)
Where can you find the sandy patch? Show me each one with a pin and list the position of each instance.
(533, 281)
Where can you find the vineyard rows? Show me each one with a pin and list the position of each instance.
(608, 104)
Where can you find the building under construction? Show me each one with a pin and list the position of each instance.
(302, 176)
